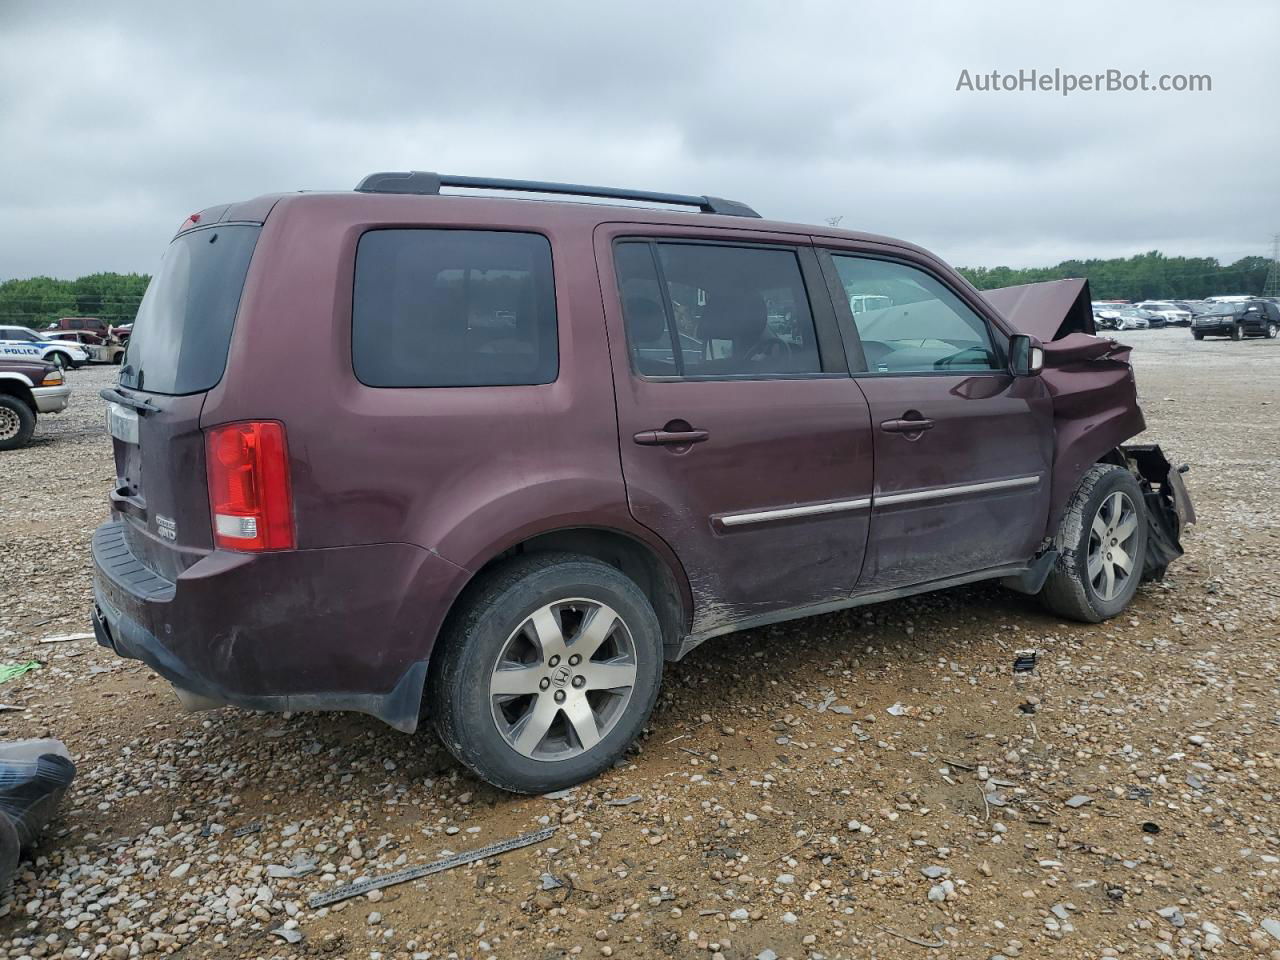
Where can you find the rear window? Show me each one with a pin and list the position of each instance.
(183, 329)
(453, 308)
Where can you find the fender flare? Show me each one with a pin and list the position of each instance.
(620, 525)
(21, 378)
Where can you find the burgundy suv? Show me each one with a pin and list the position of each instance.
(494, 459)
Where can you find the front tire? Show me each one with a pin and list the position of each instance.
(547, 671)
(1237, 332)
(1273, 331)
(1198, 336)
(58, 359)
(17, 422)
(1102, 546)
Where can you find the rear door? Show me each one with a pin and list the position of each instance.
(177, 354)
(744, 443)
(962, 448)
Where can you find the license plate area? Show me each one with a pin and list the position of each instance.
(122, 423)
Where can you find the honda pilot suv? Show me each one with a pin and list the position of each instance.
(492, 460)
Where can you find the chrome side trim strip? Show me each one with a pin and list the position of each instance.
(787, 513)
(942, 493)
(862, 503)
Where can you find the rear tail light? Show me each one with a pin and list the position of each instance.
(249, 492)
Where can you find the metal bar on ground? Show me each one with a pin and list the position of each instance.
(438, 866)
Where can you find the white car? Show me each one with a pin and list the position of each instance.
(1106, 313)
(1131, 318)
(25, 342)
(1172, 313)
(862, 302)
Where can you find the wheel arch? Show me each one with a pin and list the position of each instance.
(16, 385)
(648, 562)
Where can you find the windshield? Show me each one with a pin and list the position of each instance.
(1221, 309)
(183, 328)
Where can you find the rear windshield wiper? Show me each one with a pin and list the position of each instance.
(112, 395)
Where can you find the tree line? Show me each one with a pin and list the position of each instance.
(114, 297)
(36, 301)
(1147, 276)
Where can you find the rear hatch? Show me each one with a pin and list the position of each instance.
(177, 353)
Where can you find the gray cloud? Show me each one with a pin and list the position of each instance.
(118, 120)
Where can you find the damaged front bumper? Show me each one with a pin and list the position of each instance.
(1169, 509)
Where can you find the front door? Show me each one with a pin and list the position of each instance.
(744, 442)
(962, 448)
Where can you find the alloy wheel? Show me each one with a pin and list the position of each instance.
(563, 679)
(10, 424)
(1111, 538)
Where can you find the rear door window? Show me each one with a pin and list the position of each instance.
(715, 310)
(453, 308)
(183, 329)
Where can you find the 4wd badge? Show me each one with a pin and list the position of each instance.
(166, 527)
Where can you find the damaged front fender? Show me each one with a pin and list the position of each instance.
(1095, 409)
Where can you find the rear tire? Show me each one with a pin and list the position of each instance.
(17, 422)
(546, 672)
(1104, 526)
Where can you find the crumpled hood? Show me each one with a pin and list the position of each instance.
(1047, 311)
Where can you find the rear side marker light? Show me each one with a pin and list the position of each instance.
(250, 497)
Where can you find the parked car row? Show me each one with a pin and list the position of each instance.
(1235, 316)
(24, 343)
(68, 343)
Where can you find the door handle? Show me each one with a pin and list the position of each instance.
(653, 438)
(907, 426)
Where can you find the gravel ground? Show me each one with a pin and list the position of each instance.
(876, 783)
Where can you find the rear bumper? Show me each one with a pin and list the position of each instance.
(346, 628)
(52, 399)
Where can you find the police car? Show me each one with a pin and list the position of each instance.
(23, 343)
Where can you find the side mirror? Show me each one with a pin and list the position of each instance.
(1026, 356)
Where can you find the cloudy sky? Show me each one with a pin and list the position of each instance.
(118, 119)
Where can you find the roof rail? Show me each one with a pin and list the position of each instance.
(418, 182)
